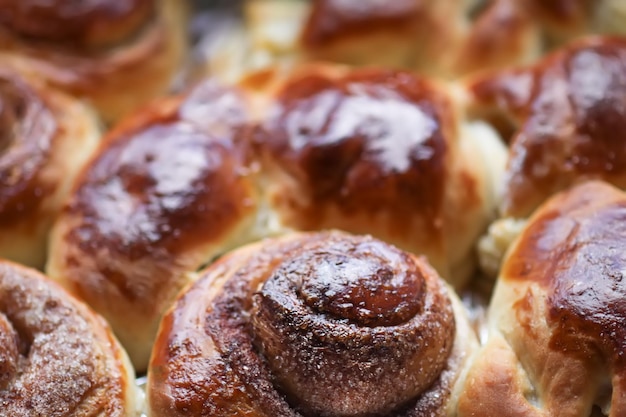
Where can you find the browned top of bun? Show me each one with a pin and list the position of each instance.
(570, 112)
(574, 248)
(82, 22)
(365, 141)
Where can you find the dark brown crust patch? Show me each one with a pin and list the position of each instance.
(363, 142)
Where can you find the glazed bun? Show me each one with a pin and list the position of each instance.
(566, 114)
(116, 54)
(58, 358)
(381, 152)
(168, 190)
(312, 324)
(556, 336)
(46, 137)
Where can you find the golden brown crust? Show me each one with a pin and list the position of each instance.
(58, 358)
(557, 312)
(568, 111)
(143, 54)
(165, 191)
(46, 137)
(278, 297)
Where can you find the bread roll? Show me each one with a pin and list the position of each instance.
(381, 152)
(114, 53)
(312, 324)
(556, 336)
(58, 358)
(567, 114)
(169, 190)
(46, 138)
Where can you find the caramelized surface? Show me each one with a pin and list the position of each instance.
(364, 142)
(570, 110)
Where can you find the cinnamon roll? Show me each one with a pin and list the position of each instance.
(556, 320)
(45, 137)
(115, 54)
(169, 189)
(566, 113)
(57, 358)
(308, 325)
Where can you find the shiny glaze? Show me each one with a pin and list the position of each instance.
(574, 248)
(333, 19)
(64, 361)
(28, 130)
(82, 22)
(571, 111)
(167, 183)
(209, 334)
(364, 142)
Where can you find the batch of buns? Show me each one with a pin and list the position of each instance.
(283, 228)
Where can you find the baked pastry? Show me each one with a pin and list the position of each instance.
(566, 113)
(193, 176)
(381, 152)
(46, 137)
(57, 358)
(114, 53)
(312, 324)
(556, 335)
(169, 190)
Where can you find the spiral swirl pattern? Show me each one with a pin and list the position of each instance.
(310, 324)
(56, 357)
